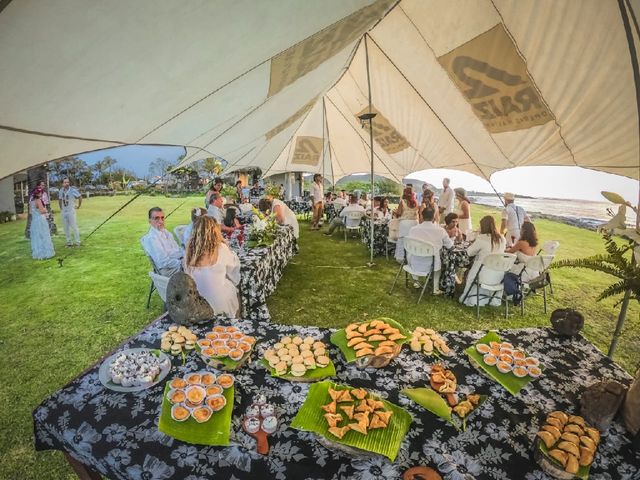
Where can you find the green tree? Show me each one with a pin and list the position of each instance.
(211, 166)
(386, 186)
(625, 270)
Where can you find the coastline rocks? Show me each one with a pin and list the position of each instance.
(567, 321)
(184, 303)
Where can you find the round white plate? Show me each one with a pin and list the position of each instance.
(103, 373)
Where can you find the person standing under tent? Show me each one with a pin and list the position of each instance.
(161, 246)
(446, 200)
(39, 234)
(464, 215)
(46, 200)
(317, 197)
(281, 192)
(215, 186)
(284, 215)
(513, 217)
(67, 202)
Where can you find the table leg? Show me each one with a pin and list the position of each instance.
(83, 472)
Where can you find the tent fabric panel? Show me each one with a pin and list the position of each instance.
(40, 149)
(581, 66)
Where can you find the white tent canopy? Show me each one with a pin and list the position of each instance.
(475, 85)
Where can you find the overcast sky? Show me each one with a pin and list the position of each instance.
(553, 182)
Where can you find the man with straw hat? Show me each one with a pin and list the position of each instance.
(513, 217)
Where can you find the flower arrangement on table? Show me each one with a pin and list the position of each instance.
(262, 231)
(272, 190)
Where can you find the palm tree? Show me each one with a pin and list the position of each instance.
(615, 263)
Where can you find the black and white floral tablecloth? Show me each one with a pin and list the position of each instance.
(299, 207)
(452, 259)
(116, 433)
(380, 234)
(261, 270)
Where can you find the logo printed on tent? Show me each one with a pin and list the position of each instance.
(493, 78)
(300, 59)
(289, 121)
(307, 151)
(385, 134)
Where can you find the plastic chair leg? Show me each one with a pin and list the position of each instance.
(424, 287)
(396, 279)
(152, 287)
(544, 295)
(550, 284)
(478, 300)
(506, 307)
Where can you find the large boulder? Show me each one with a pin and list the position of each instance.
(600, 402)
(184, 303)
(631, 408)
(567, 321)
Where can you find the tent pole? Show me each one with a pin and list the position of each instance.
(371, 233)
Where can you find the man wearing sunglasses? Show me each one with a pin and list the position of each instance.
(161, 246)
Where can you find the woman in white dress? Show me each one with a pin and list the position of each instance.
(525, 249)
(487, 241)
(464, 215)
(407, 214)
(284, 215)
(213, 266)
(39, 234)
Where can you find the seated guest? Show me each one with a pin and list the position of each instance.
(364, 201)
(429, 202)
(384, 212)
(376, 207)
(195, 213)
(230, 219)
(451, 226)
(161, 246)
(255, 190)
(340, 201)
(525, 248)
(216, 211)
(214, 267)
(431, 232)
(487, 241)
(341, 220)
(284, 215)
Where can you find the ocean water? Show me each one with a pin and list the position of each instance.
(587, 212)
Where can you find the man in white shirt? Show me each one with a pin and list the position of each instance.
(67, 202)
(161, 246)
(430, 232)
(513, 217)
(445, 202)
(342, 220)
(216, 211)
(340, 201)
(317, 198)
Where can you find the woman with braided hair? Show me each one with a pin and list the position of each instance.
(213, 266)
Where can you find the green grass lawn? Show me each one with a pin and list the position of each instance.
(55, 321)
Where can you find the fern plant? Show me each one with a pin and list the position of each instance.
(617, 263)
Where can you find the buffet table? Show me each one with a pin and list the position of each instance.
(116, 434)
(380, 234)
(261, 270)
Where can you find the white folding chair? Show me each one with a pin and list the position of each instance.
(549, 248)
(490, 277)
(160, 282)
(352, 222)
(392, 238)
(179, 233)
(540, 264)
(420, 249)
